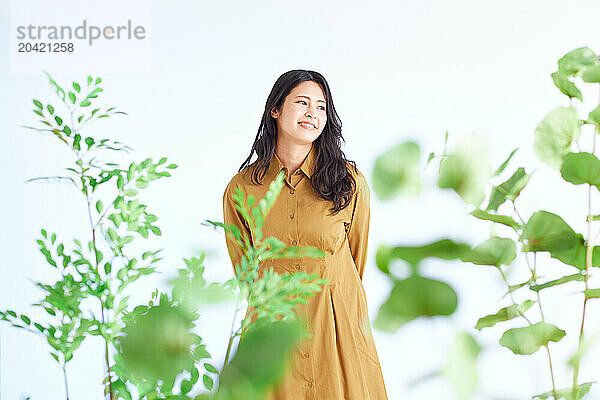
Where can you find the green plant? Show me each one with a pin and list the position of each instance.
(466, 171)
(148, 347)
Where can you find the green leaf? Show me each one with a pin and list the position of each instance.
(461, 367)
(554, 135)
(547, 232)
(50, 109)
(467, 170)
(58, 120)
(210, 368)
(445, 249)
(508, 190)
(261, 358)
(38, 104)
(594, 115)
(591, 74)
(72, 97)
(89, 141)
(396, 172)
(172, 166)
(25, 319)
(107, 268)
(76, 87)
(501, 219)
(141, 182)
(89, 80)
(85, 103)
(67, 130)
(504, 314)
(575, 255)
(505, 163)
(415, 297)
(76, 141)
(529, 339)
(495, 251)
(568, 88)
(99, 206)
(566, 393)
(560, 281)
(155, 230)
(98, 80)
(579, 168)
(208, 382)
(574, 61)
(157, 343)
(592, 293)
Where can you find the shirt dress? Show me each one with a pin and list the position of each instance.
(339, 361)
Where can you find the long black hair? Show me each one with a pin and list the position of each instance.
(331, 179)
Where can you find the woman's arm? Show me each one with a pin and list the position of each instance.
(358, 233)
(233, 216)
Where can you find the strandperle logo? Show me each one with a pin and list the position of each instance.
(87, 32)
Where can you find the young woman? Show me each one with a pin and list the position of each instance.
(325, 204)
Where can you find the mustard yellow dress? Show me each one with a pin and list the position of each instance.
(340, 361)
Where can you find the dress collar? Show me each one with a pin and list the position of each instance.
(307, 165)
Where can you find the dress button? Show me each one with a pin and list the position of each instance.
(309, 384)
(292, 191)
(306, 355)
(291, 216)
(298, 267)
(294, 243)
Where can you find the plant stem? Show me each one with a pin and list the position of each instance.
(64, 368)
(110, 391)
(589, 253)
(512, 299)
(539, 301)
(231, 335)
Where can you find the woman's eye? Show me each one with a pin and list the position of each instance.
(322, 108)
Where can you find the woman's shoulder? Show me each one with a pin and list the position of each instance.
(241, 180)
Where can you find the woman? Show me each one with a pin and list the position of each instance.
(325, 204)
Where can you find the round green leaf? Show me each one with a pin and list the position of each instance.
(529, 339)
(547, 232)
(579, 168)
(575, 60)
(494, 251)
(396, 172)
(554, 135)
(562, 82)
(467, 170)
(415, 297)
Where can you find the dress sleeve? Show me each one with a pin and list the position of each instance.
(358, 233)
(232, 216)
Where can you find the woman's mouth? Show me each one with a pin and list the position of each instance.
(307, 125)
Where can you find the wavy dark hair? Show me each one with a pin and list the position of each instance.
(331, 179)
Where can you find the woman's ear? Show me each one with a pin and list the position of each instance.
(274, 113)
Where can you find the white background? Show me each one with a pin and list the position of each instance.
(398, 71)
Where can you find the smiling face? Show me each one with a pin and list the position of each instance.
(303, 114)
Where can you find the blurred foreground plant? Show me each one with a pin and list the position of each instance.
(466, 170)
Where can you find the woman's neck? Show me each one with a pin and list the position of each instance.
(292, 156)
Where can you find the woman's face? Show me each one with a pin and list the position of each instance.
(303, 114)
